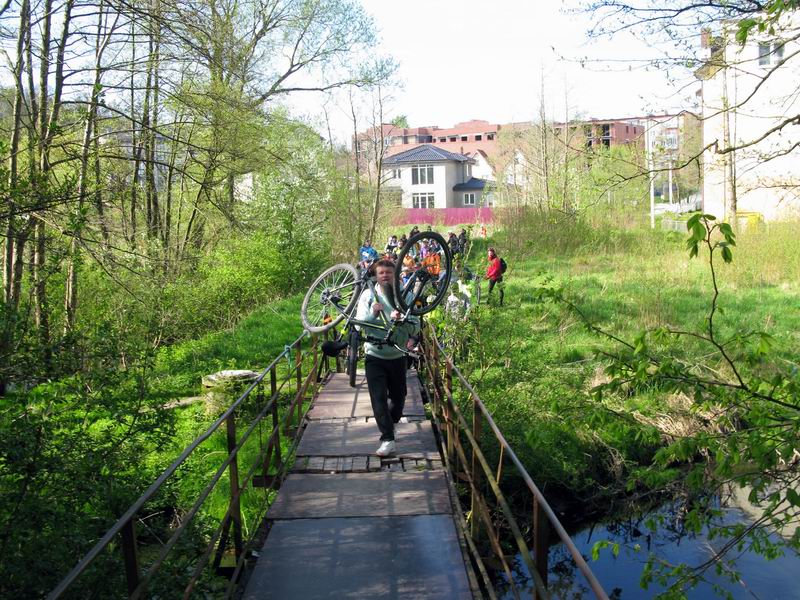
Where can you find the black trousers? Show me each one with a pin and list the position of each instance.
(492, 282)
(386, 381)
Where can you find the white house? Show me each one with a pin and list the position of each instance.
(751, 123)
(431, 177)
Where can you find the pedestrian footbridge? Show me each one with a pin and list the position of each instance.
(311, 512)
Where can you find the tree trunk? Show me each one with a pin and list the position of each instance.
(13, 162)
(40, 291)
(730, 157)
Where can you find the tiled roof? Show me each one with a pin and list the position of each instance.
(473, 184)
(424, 153)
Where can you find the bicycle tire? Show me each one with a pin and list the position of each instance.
(433, 291)
(323, 293)
(352, 356)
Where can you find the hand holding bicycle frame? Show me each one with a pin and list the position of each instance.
(334, 295)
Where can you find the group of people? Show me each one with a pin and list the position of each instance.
(457, 244)
(386, 365)
(426, 253)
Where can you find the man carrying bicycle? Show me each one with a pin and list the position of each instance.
(385, 364)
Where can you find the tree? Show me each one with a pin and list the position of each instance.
(400, 121)
(747, 64)
(743, 393)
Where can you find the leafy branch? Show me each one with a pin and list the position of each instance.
(745, 398)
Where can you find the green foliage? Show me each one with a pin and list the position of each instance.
(744, 399)
(242, 273)
(765, 21)
(400, 121)
(71, 462)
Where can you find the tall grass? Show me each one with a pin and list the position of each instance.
(536, 362)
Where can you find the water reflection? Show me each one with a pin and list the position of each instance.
(620, 575)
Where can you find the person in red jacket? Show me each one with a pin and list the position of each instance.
(494, 273)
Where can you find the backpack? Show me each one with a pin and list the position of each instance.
(503, 265)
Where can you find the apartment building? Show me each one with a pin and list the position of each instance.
(601, 133)
(478, 136)
(750, 99)
(462, 138)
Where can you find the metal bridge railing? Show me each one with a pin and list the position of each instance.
(302, 368)
(466, 461)
(465, 457)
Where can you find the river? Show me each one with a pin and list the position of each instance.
(758, 578)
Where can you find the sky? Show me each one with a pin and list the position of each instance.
(470, 59)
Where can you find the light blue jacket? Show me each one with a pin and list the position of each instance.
(401, 332)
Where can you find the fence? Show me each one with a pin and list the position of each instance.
(268, 461)
(465, 454)
(443, 216)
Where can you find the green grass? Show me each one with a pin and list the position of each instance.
(251, 344)
(534, 363)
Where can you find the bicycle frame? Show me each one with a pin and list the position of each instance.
(386, 327)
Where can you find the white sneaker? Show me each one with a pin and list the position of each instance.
(403, 420)
(386, 448)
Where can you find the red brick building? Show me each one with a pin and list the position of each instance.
(603, 132)
(477, 135)
(463, 138)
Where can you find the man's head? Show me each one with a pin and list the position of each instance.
(384, 271)
(367, 243)
(492, 253)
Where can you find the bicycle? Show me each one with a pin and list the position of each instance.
(334, 294)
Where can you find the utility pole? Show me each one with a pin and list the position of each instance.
(670, 180)
(648, 136)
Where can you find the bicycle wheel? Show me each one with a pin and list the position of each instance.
(332, 296)
(352, 355)
(426, 287)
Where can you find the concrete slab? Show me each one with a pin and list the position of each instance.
(357, 438)
(379, 557)
(338, 400)
(383, 494)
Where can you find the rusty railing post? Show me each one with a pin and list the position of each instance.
(436, 377)
(325, 360)
(475, 471)
(233, 474)
(452, 429)
(130, 555)
(299, 380)
(541, 542)
(276, 427)
(273, 383)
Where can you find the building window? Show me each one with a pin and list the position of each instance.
(469, 199)
(489, 136)
(463, 138)
(478, 137)
(770, 54)
(453, 138)
(442, 139)
(422, 200)
(421, 174)
(395, 173)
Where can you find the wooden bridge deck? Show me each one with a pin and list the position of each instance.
(348, 524)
